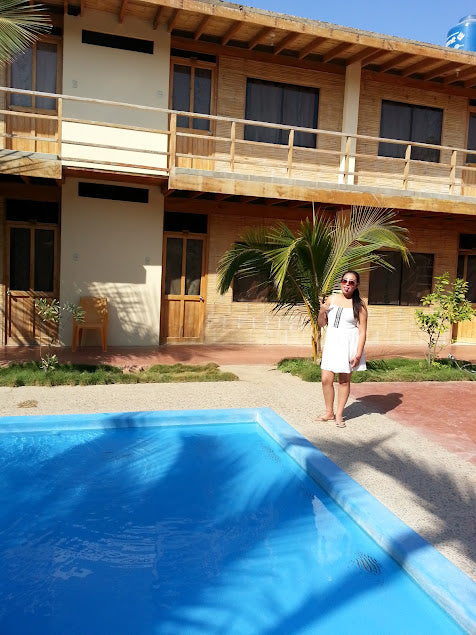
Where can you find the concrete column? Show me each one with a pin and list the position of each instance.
(350, 118)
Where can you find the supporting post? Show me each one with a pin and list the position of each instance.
(350, 117)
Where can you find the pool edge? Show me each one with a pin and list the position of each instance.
(450, 587)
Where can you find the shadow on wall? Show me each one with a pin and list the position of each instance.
(134, 314)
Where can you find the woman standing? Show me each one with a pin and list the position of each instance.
(346, 319)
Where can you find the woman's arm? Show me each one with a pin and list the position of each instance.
(355, 361)
(323, 311)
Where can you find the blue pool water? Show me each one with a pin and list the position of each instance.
(195, 529)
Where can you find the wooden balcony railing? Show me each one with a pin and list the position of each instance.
(107, 135)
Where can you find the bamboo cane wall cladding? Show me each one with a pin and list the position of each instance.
(258, 158)
(453, 134)
(255, 323)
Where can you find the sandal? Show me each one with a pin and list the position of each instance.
(340, 423)
(325, 418)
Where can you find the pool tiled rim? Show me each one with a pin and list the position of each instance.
(442, 580)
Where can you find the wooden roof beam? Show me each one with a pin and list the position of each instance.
(440, 71)
(259, 37)
(393, 63)
(173, 21)
(248, 199)
(461, 76)
(312, 46)
(372, 58)
(287, 39)
(336, 51)
(201, 27)
(470, 83)
(362, 55)
(83, 7)
(122, 12)
(419, 67)
(158, 16)
(231, 32)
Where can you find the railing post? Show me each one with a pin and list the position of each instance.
(232, 146)
(172, 141)
(290, 152)
(453, 171)
(60, 126)
(347, 158)
(406, 169)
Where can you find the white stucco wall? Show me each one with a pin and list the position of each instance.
(113, 74)
(113, 249)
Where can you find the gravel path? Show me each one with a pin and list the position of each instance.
(429, 488)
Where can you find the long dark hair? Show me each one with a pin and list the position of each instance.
(356, 299)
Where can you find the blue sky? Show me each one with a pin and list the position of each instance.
(423, 20)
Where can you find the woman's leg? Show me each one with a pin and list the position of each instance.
(343, 392)
(327, 379)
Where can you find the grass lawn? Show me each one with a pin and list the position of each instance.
(397, 369)
(31, 374)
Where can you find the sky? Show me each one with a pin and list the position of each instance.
(422, 20)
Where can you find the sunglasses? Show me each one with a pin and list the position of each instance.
(351, 283)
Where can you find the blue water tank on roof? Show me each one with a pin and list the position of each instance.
(463, 35)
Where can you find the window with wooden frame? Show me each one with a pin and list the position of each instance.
(287, 104)
(410, 122)
(403, 285)
(37, 69)
(253, 288)
(471, 142)
(193, 90)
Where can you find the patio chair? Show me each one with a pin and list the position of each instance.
(95, 318)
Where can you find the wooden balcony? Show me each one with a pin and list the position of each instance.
(102, 136)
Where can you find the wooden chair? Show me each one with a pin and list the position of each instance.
(95, 317)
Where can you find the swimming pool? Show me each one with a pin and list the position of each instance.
(204, 522)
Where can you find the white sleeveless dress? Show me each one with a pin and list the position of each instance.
(342, 339)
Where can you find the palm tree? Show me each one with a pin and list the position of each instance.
(20, 24)
(304, 267)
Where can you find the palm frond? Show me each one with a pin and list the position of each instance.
(20, 24)
(246, 257)
(357, 238)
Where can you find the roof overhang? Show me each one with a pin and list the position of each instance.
(284, 37)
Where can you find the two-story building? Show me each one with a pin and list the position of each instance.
(139, 139)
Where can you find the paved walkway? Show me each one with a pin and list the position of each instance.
(445, 412)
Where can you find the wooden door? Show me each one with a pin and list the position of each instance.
(466, 331)
(183, 282)
(192, 90)
(32, 257)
